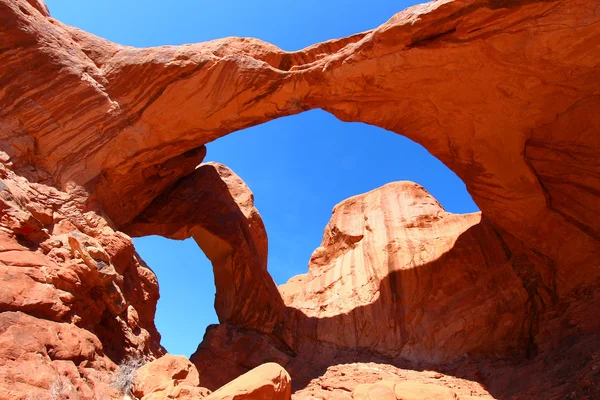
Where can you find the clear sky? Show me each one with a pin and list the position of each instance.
(298, 167)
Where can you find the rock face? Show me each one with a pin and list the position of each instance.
(232, 235)
(504, 93)
(399, 280)
(402, 391)
(75, 298)
(169, 377)
(268, 381)
(399, 276)
(371, 380)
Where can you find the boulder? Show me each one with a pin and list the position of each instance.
(269, 381)
(169, 377)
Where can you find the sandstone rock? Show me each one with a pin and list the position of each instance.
(38, 356)
(169, 377)
(16, 218)
(396, 274)
(227, 352)
(186, 392)
(40, 6)
(375, 391)
(355, 380)
(231, 232)
(268, 381)
(141, 153)
(418, 391)
(504, 93)
(68, 301)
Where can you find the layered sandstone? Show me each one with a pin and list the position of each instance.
(98, 138)
(74, 297)
(463, 78)
(399, 276)
(398, 280)
(215, 207)
(267, 381)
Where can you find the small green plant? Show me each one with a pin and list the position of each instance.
(124, 375)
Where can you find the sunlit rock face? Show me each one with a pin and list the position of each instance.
(97, 139)
(398, 280)
(74, 296)
(398, 275)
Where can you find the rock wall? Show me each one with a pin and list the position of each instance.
(398, 280)
(398, 275)
(215, 207)
(75, 298)
(98, 139)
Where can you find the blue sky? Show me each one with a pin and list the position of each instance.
(298, 167)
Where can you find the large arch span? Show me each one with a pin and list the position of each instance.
(484, 86)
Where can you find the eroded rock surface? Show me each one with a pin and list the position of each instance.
(97, 137)
(75, 299)
(398, 280)
(356, 380)
(215, 207)
(267, 381)
(399, 276)
(169, 377)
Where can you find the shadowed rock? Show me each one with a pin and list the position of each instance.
(215, 207)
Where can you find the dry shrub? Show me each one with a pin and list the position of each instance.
(125, 374)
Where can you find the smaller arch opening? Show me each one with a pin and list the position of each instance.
(186, 287)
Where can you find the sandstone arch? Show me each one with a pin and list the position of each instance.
(436, 73)
(216, 208)
(504, 93)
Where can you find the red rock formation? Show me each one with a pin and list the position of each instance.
(74, 296)
(355, 381)
(436, 280)
(268, 381)
(169, 377)
(399, 276)
(232, 235)
(476, 46)
(398, 279)
(96, 136)
(403, 391)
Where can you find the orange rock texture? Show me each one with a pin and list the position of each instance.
(215, 207)
(385, 381)
(398, 275)
(74, 297)
(99, 141)
(267, 381)
(169, 377)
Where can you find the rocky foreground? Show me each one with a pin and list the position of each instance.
(101, 142)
